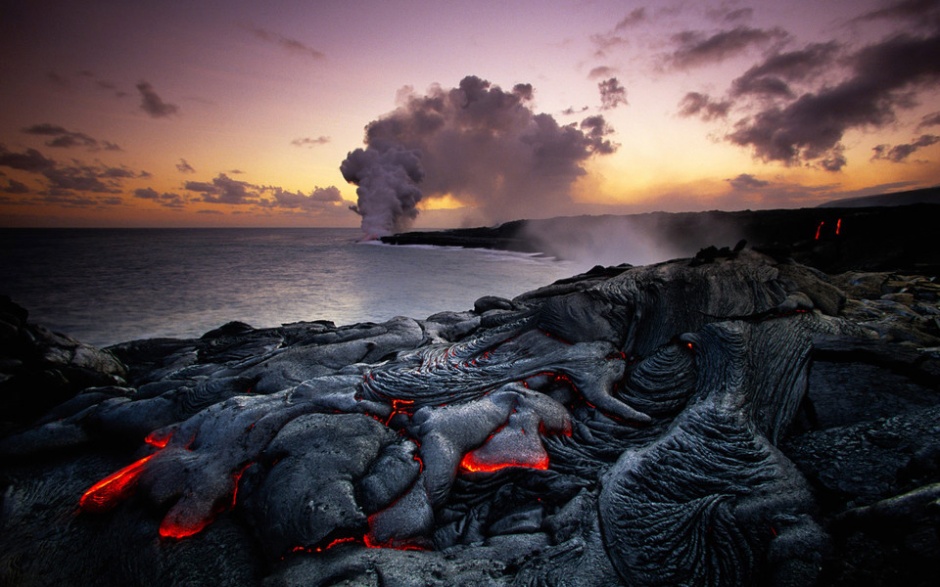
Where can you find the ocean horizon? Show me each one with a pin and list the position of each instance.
(104, 286)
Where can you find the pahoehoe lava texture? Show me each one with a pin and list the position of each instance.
(686, 423)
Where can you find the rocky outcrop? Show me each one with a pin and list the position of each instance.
(732, 419)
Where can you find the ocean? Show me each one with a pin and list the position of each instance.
(105, 286)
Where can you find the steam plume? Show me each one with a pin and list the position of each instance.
(483, 146)
(386, 174)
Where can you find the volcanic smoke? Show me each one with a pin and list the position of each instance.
(481, 145)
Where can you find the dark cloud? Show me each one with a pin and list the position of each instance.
(919, 12)
(166, 199)
(695, 48)
(152, 104)
(607, 42)
(15, 187)
(63, 181)
(899, 153)
(225, 190)
(319, 200)
(883, 78)
(597, 130)
(571, 110)
(483, 146)
(747, 182)
(740, 14)
(31, 160)
(835, 159)
(703, 106)
(286, 43)
(601, 71)
(184, 167)
(84, 178)
(310, 142)
(929, 120)
(770, 77)
(64, 138)
(729, 15)
(612, 94)
(636, 16)
(59, 80)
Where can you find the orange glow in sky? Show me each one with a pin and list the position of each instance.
(227, 113)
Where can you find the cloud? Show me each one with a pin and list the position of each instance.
(15, 187)
(601, 71)
(84, 178)
(695, 48)
(607, 42)
(309, 142)
(184, 167)
(166, 199)
(319, 200)
(703, 106)
(225, 190)
(152, 104)
(31, 160)
(597, 129)
(729, 15)
(612, 94)
(481, 145)
(64, 138)
(59, 80)
(62, 181)
(883, 78)
(918, 12)
(286, 43)
(571, 110)
(929, 120)
(747, 182)
(834, 160)
(899, 153)
(636, 16)
(770, 77)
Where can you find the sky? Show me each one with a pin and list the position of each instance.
(429, 114)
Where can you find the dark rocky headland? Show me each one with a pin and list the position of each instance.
(766, 414)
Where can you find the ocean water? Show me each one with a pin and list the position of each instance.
(104, 286)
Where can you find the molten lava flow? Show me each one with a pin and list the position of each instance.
(370, 542)
(237, 478)
(819, 229)
(337, 542)
(470, 464)
(399, 406)
(159, 438)
(170, 529)
(838, 226)
(105, 494)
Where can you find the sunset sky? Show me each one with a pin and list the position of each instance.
(238, 113)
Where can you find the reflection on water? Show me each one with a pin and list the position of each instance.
(105, 286)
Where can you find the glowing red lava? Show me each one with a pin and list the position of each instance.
(819, 229)
(370, 542)
(237, 478)
(105, 494)
(170, 529)
(159, 438)
(838, 226)
(471, 464)
(399, 406)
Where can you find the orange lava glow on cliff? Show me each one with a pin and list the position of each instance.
(105, 494)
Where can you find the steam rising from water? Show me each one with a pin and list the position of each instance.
(386, 174)
(483, 146)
